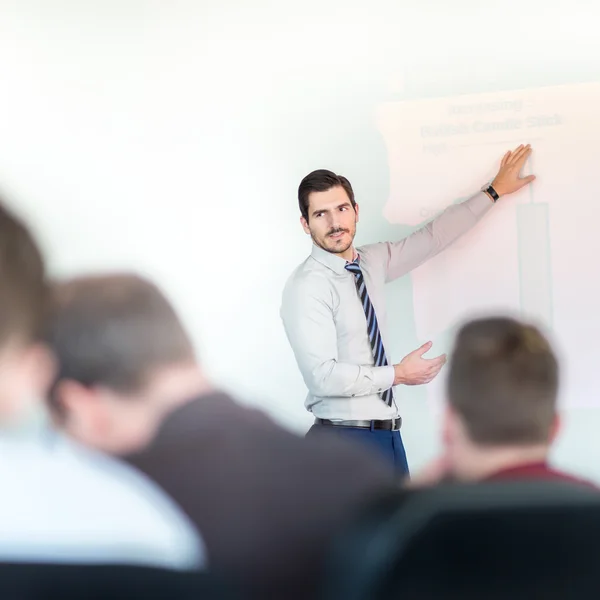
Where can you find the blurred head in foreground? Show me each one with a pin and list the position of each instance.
(26, 366)
(502, 390)
(124, 357)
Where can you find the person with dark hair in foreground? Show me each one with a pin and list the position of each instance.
(501, 417)
(267, 502)
(61, 502)
(334, 314)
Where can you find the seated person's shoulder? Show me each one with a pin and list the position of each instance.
(79, 498)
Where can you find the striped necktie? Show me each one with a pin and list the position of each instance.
(372, 325)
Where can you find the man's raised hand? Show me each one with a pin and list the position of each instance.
(509, 178)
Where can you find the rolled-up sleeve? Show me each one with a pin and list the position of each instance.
(309, 324)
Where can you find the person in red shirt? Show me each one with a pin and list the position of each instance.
(501, 416)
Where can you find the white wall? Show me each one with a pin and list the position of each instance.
(170, 137)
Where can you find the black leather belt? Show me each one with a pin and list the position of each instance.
(388, 424)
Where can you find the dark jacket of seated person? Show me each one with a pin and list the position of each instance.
(267, 502)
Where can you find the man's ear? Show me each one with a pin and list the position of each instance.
(449, 425)
(40, 368)
(304, 224)
(555, 428)
(356, 211)
(74, 400)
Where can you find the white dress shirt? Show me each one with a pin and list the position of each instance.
(326, 325)
(64, 503)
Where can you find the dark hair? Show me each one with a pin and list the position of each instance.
(321, 181)
(113, 330)
(503, 382)
(23, 284)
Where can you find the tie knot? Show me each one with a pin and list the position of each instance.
(353, 267)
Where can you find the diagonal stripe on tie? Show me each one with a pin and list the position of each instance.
(379, 355)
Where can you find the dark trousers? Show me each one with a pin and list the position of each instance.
(388, 444)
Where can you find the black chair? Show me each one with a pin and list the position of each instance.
(524, 540)
(26, 581)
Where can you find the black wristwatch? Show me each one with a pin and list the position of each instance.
(491, 192)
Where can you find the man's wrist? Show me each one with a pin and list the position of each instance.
(499, 188)
(492, 192)
(399, 375)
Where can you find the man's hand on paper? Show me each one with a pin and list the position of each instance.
(509, 178)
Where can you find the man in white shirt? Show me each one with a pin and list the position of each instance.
(59, 501)
(333, 307)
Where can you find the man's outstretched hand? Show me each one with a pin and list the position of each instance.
(509, 178)
(413, 369)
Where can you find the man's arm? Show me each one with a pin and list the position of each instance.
(404, 256)
(407, 254)
(308, 322)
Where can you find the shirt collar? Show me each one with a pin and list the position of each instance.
(329, 259)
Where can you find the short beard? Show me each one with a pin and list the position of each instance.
(336, 250)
